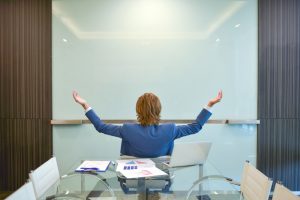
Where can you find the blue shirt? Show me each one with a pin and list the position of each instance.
(148, 141)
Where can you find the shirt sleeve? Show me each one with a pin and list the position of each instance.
(88, 109)
(185, 130)
(100, 126)
(208, 108)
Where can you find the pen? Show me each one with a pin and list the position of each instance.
(89, 168)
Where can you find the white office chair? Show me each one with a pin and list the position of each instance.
(46, 178)
(254, 184)
(282, 193)
(24, 192)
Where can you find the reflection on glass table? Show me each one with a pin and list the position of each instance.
(80, 186)
(181, 183)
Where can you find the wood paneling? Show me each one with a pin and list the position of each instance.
(25, 59)
(279, 150)
(25, 88)
(278, 145)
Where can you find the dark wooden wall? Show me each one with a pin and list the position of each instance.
(278, 147)
(25, 89)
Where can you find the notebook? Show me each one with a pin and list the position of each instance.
(189, 153)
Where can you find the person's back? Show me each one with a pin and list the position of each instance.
(147, 141)
(147, 138)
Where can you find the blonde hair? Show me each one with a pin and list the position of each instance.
(148, 109)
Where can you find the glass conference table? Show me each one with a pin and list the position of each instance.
(202, 182)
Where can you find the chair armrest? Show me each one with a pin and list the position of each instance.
(93, 173)
(63, 195)
(215, 177)
(233, 182)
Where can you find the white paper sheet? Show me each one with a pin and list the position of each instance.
(93, 165)
(136, 168)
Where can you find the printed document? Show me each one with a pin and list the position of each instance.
(136, 168)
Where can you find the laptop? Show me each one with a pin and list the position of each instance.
(189, 153)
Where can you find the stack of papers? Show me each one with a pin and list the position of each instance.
(92, 165)
(136, 168)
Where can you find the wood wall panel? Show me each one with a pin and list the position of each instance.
(25, 31)
(278, 137)
(279, 152)
(26, 145)
(279, 59)
(25, 88)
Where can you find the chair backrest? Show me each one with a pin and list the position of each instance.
(282, 193)
(24, 192)
(254, 184)
(44, 177)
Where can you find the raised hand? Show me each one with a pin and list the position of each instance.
(80, 100)
(216, 99)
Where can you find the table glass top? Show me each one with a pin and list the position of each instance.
(191, 182)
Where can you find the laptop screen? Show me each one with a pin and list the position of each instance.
(189, 153)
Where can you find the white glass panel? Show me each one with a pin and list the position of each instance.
(113, 51)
